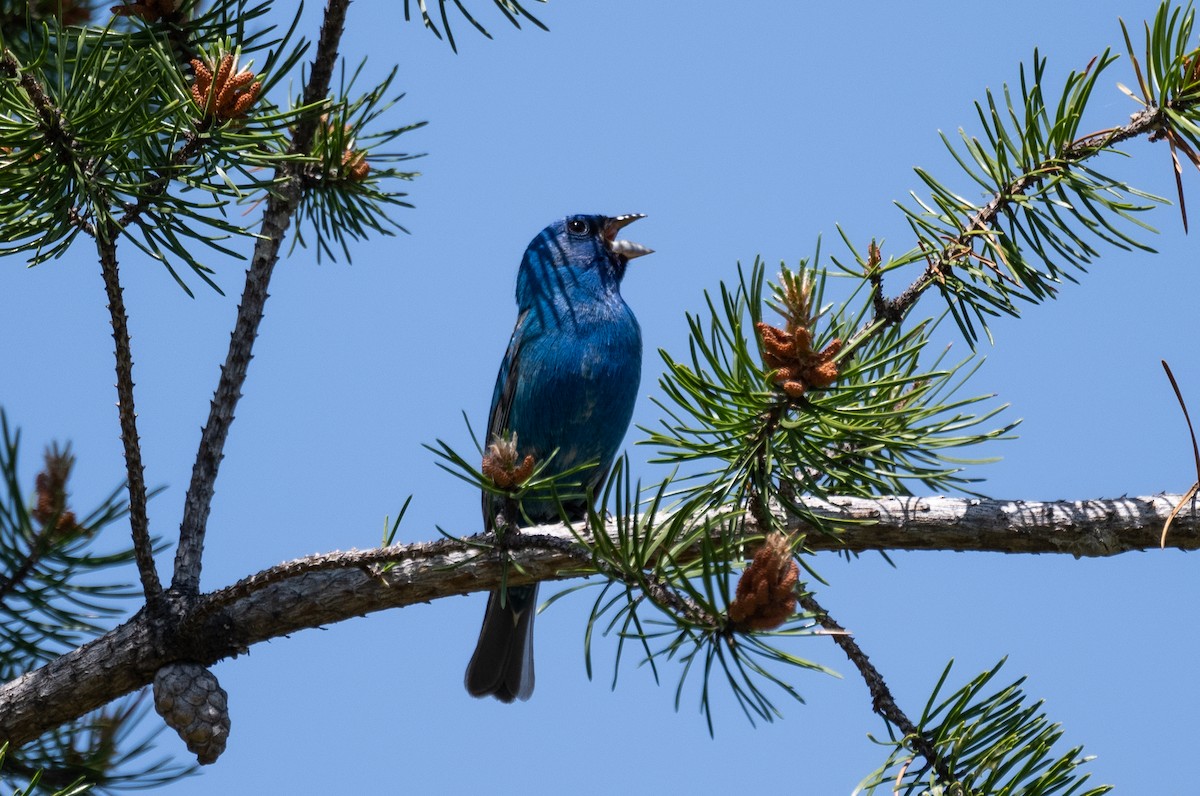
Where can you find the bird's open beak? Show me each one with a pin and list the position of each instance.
(626, 249)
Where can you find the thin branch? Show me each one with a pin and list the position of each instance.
(193, 143)
(52, 125)
(139, 523)
(763, 518)
(882, 701)
(281, 205)
(1186, 416)
(892, 311)
(50, 120)
(1191, 493)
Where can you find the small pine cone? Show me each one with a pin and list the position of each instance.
(190, 700)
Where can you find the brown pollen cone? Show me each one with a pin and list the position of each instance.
(500, 463)
(355, 164)
(766, 592)
(796, 367)
(226, 95)
(51, 490)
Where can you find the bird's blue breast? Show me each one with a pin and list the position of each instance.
(577, 383)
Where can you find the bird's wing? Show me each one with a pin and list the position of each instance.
(506, 383)
(502, 401)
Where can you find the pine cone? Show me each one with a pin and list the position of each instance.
(190, 700)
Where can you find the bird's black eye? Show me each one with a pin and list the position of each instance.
(579, 226)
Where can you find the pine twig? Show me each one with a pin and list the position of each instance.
(193, 143)
(37, 548)
(281, 205)
(882, 701)
(54, 128)
(891, 311)
(52, 124)
(50, 119)
(139, 523)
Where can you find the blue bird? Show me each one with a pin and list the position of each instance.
(567, 383)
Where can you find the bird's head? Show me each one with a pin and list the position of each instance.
(575, 257)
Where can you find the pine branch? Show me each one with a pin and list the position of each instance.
(281, 205)
(324, 589)
(51, 122)
(192, 144)
(139, 523)
(892, 311)
(1082, 528)
(53, 126)
(882, 701)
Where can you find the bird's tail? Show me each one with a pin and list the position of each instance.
(502, 665)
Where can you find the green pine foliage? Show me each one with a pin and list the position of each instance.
(102, 136)
(512, 10)
(998, 744)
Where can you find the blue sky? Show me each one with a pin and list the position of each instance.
(741, 130)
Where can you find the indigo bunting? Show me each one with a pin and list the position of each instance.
(566, 387)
